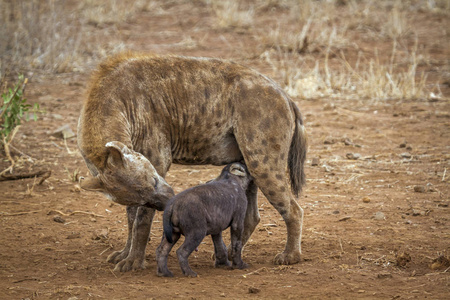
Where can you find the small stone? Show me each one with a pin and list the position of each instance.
(353, 156)
(348, 142)
(379, 216)
(344, 219)
(409, 148)
(366, 199)
(403, 145)
(59, 219)
(420, 189)
(64, 132)
(405, 155)
(253, 290)
(418, 212)
(315, 161)
(57, 116)
(101, 234)
(73, 235)
(336, 212)
(329, 141)
(384, 275)
(222, 295)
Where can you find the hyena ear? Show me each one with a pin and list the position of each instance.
(91, 184)
(238, 170)
(116, 152)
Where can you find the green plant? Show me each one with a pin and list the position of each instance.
(14, 109)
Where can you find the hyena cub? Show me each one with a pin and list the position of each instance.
(207, 209)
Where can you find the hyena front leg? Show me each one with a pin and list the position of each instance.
(139, 238)
(117, 256)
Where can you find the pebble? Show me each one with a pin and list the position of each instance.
(366, 199)
(59, 219)
(420, 189)
(73, 235)
(405, 155)
(329, 141)
(348, 142)
(353, 156)
(315, 161)
(64, 132)
(384, 275)
(379, 216)
(253, 290)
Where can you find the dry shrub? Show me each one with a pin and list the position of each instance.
(100, 12)
(54, 36)
(369, 79)
(309, 25)
(230, 14)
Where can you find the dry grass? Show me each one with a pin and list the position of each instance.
(366, 79)
(49, 35)
(53, 36)
(230, 14)
(101, 12)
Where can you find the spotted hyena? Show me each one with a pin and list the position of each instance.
(190, 110)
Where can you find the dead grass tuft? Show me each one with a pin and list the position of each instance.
(230, 14)
(367, 78)
(53, 36)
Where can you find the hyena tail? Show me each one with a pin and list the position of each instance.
(167, 223)
(297, 153)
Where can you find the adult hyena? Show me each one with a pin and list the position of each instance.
(191, 111)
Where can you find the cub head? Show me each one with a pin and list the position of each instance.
(238, 172)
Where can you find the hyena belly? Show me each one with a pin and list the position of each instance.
(215, 150)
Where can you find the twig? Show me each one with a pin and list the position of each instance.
(26, 279)
(113, 273)
(22, 153)
(105, 250)
(19, 213)
(340, 243)
(255, 272)
(43, 173)
(443, 175)
(76, 212)
(67, 147)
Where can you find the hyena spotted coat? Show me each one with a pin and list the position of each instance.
(190, 110)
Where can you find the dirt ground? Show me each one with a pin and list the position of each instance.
(376, 203)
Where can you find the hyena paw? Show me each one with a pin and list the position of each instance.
(241, 265)
(287, 258)
(129, 264)
(222, 264)
(117, 256)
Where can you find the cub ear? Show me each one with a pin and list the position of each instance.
(238, 170)
(116, 152)
(91, 184)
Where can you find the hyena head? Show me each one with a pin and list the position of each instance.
(129, 178)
